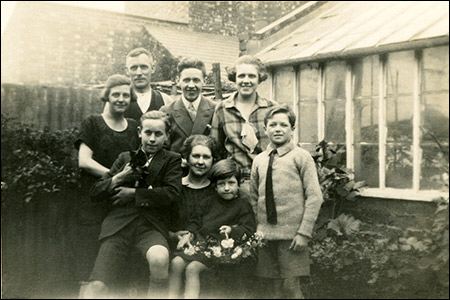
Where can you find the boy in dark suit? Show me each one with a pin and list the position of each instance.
(141, 188)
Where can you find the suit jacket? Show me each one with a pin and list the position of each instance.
(182, 126)
(155, 204)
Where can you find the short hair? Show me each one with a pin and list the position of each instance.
(112, 81)
(224, 169)
(248, 60)
(282, 108)
(194, 63)
(138, 51)
(202, 140)
(157, 115)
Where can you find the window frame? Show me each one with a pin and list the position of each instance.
(381, 191)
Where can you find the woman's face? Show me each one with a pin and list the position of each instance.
(200, 160)
(119, 98)
(247, 79)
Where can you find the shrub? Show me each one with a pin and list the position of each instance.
(37, 161)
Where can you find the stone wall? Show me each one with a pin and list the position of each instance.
(56, 44)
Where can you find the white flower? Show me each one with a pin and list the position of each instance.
(228, 243)
(189, 251)
(207, 254)
(259, 235)
(217, 251)
(237, 251)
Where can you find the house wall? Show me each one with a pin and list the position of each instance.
(175, 11)
(237, 17)
(46, 43)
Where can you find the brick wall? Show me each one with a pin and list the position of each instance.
(48, 43)
(237, 17)
(176, 11)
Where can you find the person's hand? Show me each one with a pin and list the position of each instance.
(123, 195)
(225, 229)
(124, 176)
(299, 243)
(184, 241)
(180, 233)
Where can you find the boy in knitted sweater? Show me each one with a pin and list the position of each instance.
(286, 199)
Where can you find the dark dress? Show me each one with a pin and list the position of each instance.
(106, 145)
(192, 203)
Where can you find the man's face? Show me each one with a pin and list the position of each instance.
(247, 79)
(140, 70)
(153, 135)
(191, 82)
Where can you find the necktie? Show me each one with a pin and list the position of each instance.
(270, 202)
(192, 112)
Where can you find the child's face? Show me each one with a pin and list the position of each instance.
(153, 135)
(228, 188)
(279, 129)
(200, 160)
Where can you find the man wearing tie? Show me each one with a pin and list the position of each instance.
(191, 113)
(140, 67)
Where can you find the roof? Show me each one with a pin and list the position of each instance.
(210, 48)
(350, 28)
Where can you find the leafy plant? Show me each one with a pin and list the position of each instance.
(36, 161)
(336, 181)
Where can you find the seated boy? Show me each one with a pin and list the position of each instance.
(286, 198)
(140, 198)
(226, 213)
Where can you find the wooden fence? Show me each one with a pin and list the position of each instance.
(55, 108)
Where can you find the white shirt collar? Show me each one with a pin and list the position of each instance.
(144, 100)
(196, 102)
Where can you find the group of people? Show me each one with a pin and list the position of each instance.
(160, 174)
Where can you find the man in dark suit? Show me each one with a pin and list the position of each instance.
(140, 66)
(141, 188)
(191, 113)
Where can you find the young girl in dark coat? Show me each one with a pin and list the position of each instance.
(225, 214)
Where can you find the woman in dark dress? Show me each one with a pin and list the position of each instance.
(102, 138)
(199, 152)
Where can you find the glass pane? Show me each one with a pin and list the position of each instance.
(309, 78)
(400, 69)
(308, 122)
(433, 165)
(399, 118)
(366, 164)
(335, 121)
(435, 114)
(335, 81)
(435, 69)
(365, 77)
(284, 85)
(399, 166)
(365, 120)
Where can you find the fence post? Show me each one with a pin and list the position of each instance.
(217, 81)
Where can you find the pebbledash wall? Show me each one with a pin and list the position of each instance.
(55, 44)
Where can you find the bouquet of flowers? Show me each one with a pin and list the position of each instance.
(227, 251)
